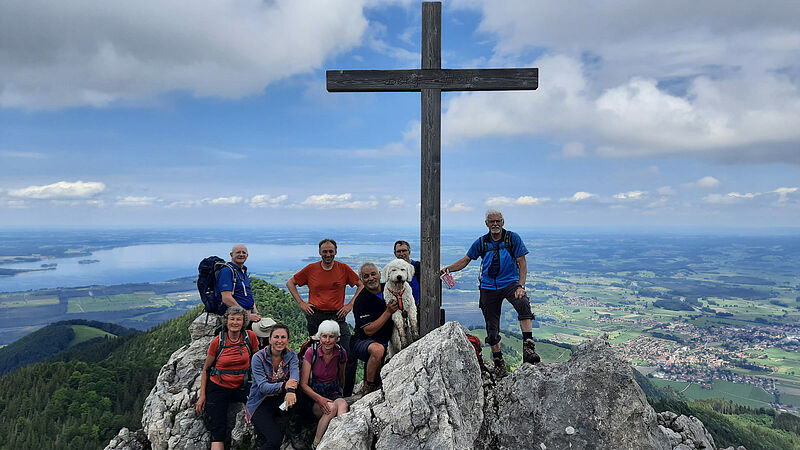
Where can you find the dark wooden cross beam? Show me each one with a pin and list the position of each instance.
(430, 81)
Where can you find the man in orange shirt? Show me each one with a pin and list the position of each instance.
(326, 281)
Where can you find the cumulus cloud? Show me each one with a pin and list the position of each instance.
(524, 200)
(60, 190)
(137, 201)
(223, 200)
(630, 195)
(336, 201)
(579, 197)
(265, 201)
(90, 53)
(711, 80)
(458, 207)
(396, 203)
(706, 182)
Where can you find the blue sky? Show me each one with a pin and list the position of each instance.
(671, 114)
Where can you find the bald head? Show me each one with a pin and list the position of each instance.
(239, 254)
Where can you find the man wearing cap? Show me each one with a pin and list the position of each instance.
(233, 284)
(502, 276)
(326, 281)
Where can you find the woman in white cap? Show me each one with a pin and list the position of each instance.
(322, 376)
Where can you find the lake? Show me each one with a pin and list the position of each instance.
(161, 262)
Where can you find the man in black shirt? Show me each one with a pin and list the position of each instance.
(373, 324)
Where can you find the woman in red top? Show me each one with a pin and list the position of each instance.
(223, 378)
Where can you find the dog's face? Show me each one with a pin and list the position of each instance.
(398, 271)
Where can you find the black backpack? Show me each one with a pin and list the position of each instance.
(314, 345)
(212, 370)
(508, 244)
(207, 273)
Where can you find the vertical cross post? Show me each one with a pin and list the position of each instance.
(430, 211)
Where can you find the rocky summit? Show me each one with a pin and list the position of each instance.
(435, 396)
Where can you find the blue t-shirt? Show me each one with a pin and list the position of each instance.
(368, 308)
(241, 291)
(414, 281)
(508, 272)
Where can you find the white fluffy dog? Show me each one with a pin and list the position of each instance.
(406, 329)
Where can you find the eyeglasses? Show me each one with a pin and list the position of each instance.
(494, 221)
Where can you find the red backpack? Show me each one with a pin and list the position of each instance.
(476, 343)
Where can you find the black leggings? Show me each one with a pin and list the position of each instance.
(264, 421)
(217, 400)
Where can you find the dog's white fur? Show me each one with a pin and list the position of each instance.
(396, 274)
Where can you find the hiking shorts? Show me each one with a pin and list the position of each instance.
(491, 304)
(360, 348)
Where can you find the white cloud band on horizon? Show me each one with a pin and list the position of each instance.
(60, 190)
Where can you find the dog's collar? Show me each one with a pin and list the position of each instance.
(398, 296)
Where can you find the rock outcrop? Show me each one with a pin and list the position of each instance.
(434, 395)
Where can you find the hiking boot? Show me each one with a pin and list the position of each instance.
(500, 367)
(369, 387)
(529, 352)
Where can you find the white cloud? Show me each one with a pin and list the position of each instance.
(458, 207)
(92, 53)
(631, 195)
(60, 190)
(579, 196)
(335, 201)
(223, 200)
(182, 204)
(706, 182)
(783, 193)
(525, 200)
(264, 201)
(704, 79)
(396, 203)
(137, 201)
(731, 197)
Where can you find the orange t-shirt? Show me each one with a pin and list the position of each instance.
(326, 287)
(232, 358)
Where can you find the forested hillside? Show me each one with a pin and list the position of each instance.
(53, 339)
(81, 398)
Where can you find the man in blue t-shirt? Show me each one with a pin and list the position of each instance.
(402, 250)
(503, 272)
(373, 325)
(233, 284)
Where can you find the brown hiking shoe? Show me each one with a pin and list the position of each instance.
(529, 352)
(500, 367)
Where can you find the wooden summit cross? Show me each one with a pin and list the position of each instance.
(431, 80)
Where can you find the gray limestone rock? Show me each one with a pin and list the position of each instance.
(594, 393)
(129, 440)
(432, 397)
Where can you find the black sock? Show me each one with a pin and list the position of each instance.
(496, 355)
(527, 335)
